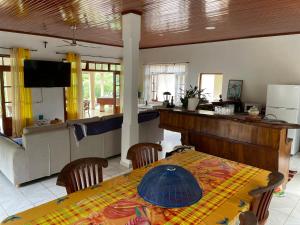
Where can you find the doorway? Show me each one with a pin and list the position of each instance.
(5, 95)
(212, 85)
(101, 88)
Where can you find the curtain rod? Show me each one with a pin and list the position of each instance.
(32, 50)
(94, 56)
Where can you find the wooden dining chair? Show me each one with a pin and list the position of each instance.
(143, 154)
(248, 218)
(81, 173)
(262, 197)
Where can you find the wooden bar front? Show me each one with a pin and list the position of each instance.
(258, 143)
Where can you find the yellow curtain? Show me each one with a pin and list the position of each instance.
(74, 92)
(21, 96)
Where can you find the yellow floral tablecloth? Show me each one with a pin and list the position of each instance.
(225, 187)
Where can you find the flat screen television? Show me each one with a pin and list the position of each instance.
(39, 73)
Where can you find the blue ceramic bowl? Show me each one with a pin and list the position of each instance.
(170, 186)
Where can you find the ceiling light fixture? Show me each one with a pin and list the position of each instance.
(210, 28)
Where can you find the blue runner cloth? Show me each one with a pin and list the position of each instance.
(147, 116)
(18, 141)
(99, 127)
(102, 126)
(78, 132)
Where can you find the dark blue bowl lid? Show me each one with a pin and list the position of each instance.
(169, 186)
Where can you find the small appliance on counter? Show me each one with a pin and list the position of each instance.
(166, 98)
(249, 105)
(253, 111)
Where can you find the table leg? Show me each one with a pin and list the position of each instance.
(101, 107)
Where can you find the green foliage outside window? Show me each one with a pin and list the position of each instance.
(107, 84)
(86, 85)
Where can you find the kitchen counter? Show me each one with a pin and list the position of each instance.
(242, 118)
(260, 143)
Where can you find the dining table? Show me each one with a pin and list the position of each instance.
(225, 185)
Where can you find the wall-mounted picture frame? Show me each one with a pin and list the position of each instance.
(234, 91)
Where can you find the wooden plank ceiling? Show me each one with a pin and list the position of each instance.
(164, 22)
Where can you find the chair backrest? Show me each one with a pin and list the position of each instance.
(143, 154)
(81, 173)
(248, 218)
(262, 197)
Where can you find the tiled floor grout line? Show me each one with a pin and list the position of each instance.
(290, 214)
(22, 194)
(26, 197)
(48, 188)
(3, 209)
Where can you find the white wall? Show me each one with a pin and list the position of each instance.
(49, 101)
(258, 62)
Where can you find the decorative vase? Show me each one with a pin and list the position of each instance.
(192, 104)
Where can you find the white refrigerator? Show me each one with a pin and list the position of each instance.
(283, 101)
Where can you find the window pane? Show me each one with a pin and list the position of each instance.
(165, 82)
(104, 85)
(212, 85)
(1, 62)
(92, 66)
(86, 86)
(8, 108)
(112, 67)
(98, 85)
(118, 67)
(108, 84)
(83, 65)
(7, 78)
(117, 79)
(104, 66)
(6, 61)
(98, 66)
(8, 94)
(180, 88)
(117, 91)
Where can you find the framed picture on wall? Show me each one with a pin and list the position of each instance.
(234, 91)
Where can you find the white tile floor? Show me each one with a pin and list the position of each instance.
(283, 211)
(286, 210)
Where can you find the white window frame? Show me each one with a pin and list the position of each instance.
(153, 70)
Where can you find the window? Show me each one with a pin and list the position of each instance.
(160, 78)
(86, 86)
(212, 85)
(104, 84)
(6, 94)
(101, 83)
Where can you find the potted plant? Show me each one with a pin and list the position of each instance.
(192, 98)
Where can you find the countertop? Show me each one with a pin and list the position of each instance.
(242, 118)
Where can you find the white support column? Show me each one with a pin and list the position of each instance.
(131, 33)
